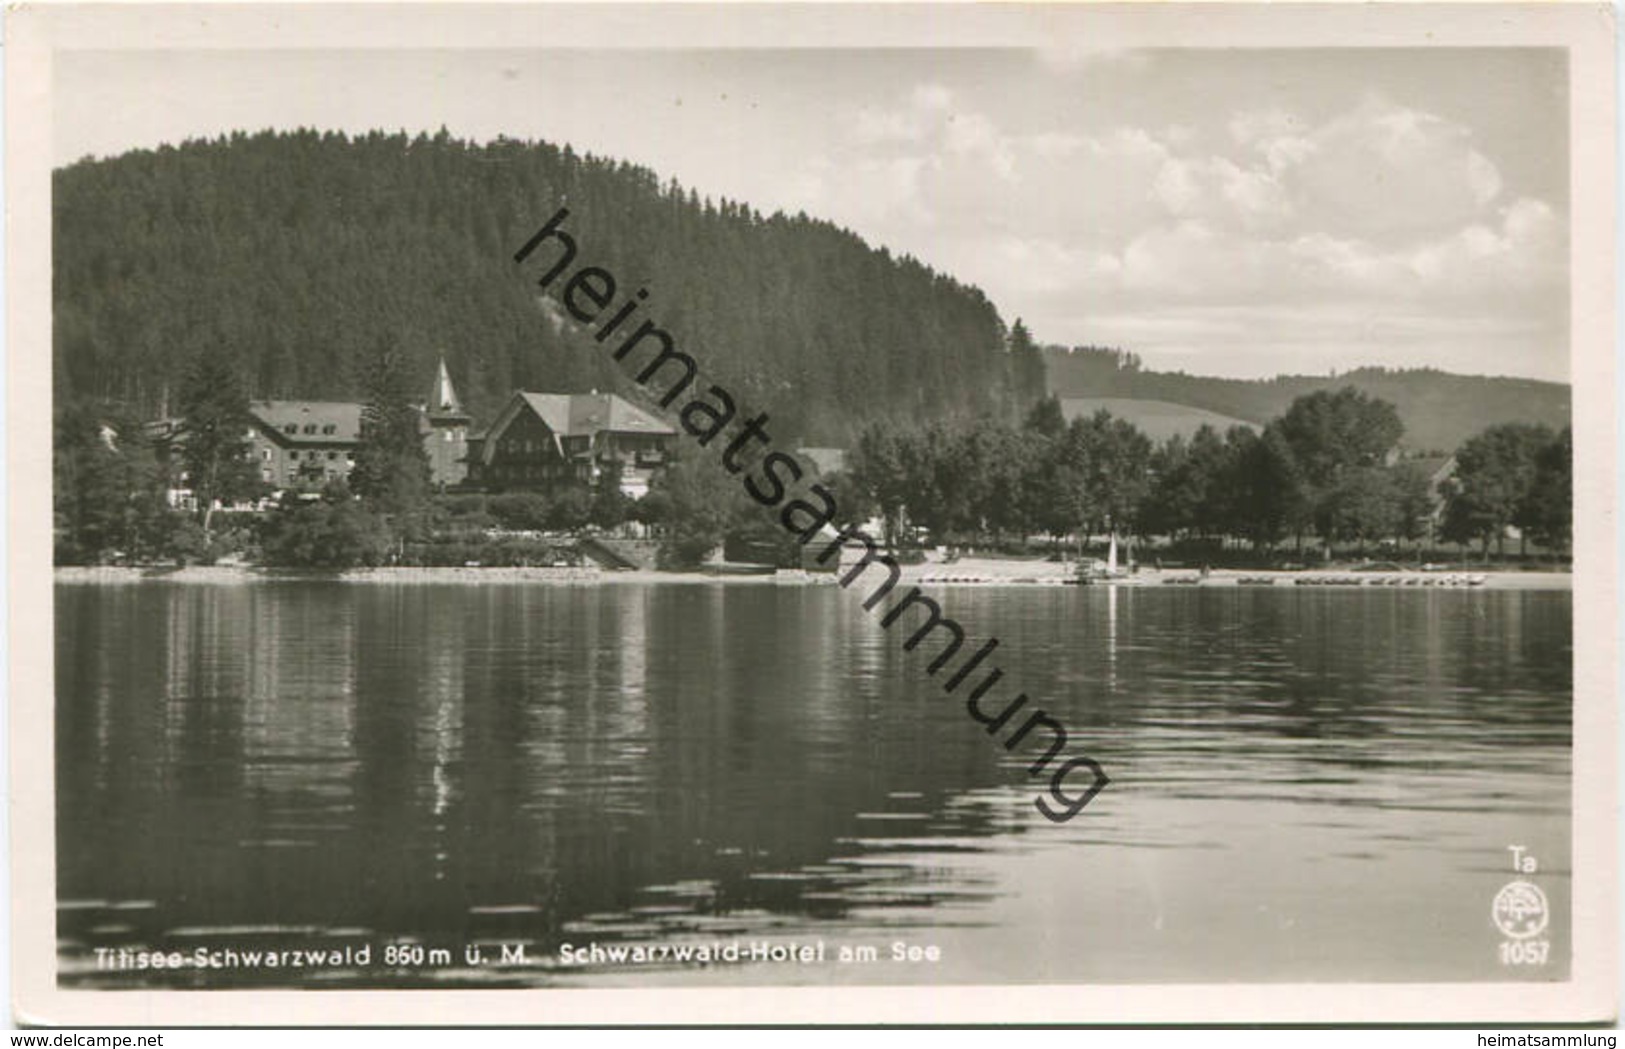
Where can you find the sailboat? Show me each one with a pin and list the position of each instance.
(1094, 572)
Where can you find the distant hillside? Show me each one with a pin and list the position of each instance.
(295, 254)
(1158, 420)
(1440, 410)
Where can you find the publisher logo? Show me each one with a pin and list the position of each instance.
(1520, 910)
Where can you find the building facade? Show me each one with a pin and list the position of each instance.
(541, 441)
(304, 444)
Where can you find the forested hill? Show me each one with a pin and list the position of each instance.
(295, 254)
(1439, 409)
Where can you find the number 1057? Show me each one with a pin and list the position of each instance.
(1524, 952)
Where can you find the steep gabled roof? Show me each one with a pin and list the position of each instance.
(443, 398)
(585, 414)
(1433, 467)
(276, 416)
(573, 415)
(596, 412)
(552, 408)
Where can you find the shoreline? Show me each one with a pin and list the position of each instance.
(967, 572)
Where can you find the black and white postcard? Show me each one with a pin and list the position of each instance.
(752, 513)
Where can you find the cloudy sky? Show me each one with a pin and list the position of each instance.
(1226, 212)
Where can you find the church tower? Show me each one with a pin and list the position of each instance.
(446, 439)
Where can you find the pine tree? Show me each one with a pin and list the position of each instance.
(391, 467)
(214, 442)
(1027, 378)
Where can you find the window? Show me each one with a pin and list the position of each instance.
(291, 428)
(265, 453)
(310, 427)
(349, 457)
(332, 455)
(294, 455)
(330, 428)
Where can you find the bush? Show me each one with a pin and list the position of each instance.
(571, 510)
(455, 505)
(762, 542)
(519, 511)
(610, 507)
(685, 548)
(325, 535)
(186, 542)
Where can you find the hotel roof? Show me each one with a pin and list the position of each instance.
(572, 414)
(312, 422)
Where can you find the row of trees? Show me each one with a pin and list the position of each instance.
(1513, 475)
(1323, 468)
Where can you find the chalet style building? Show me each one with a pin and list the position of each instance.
(544, 440)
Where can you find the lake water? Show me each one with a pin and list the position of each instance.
(1307, 784)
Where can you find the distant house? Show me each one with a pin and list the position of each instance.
(1437, 469)
(544, 440)
(166, 436)
(827, 460)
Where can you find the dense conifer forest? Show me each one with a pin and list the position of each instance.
(189, 280)
(291, 254)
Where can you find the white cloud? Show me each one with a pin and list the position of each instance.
(1383, 170)
(1262, 125)
(1512, 260)
(1222, 192)
(1378, 211)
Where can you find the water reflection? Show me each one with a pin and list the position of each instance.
(1301, 780)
